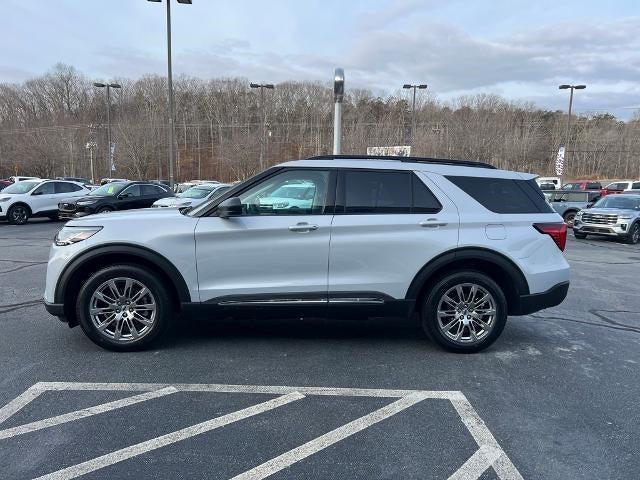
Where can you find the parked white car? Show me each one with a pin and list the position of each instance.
(460, 244)
(555, 181)
(36, 198)
(624, 185)
(295, 195)
(194, 196)
(16, 179)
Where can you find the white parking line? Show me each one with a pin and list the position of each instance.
(490, 454)
(473, 468)
(84, 413)
(320, 443)
(164, 440)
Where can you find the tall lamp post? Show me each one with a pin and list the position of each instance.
(170, 85)
(413, 107)
(262, 86)
(108, 87)
(566, 142)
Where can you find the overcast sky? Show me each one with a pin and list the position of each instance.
(521, 50)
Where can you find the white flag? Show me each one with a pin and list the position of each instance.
(560, 161)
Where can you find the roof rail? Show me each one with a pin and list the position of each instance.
(439, 161)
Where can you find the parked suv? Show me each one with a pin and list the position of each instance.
(36, 198)
(568, 204)
(114, 196)
(460, 243)
(612, 216)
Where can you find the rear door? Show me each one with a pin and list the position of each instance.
(151, 193)
(388, 224)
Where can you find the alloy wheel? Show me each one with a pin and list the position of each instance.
(19, 215)
(123, 309)
(466, 313)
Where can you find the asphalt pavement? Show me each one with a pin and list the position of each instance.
(556, 397)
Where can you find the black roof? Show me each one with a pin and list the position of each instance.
(440, 161)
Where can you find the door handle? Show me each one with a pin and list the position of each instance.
(432, 223)
(303, 227)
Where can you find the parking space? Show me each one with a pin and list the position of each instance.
(555, 397)
(271, 420)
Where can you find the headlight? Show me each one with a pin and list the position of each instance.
(624, 217)
(86, 202)
(71, 235)
(5, 199)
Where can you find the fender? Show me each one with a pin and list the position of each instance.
(469, 253)
(123, 248)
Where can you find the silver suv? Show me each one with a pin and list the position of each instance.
(611, 216)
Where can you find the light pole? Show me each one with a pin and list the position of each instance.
(566, 142)
(170, 85)
(413, 107)
(108, 86)
(262, 86)
(338, 98)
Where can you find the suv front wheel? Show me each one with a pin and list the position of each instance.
(464, 312)
(123, 307)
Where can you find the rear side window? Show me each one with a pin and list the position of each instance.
(594, 186)
(152, 190)
(377, 192)
(504, 195)
(66, 187)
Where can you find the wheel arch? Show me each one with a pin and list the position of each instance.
(88, 262)
(497, 266)
(20, 203)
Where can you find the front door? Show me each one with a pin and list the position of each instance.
(44, 198)
(277, 251)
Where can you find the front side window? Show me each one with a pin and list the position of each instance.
(294, 192)
(131, 191)
(45, 189)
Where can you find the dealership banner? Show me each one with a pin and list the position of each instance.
(397, 151)
(560, 161)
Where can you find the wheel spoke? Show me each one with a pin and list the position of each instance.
(448, 326)
(128, 284)
(140, 319)
(132, 329)
(114, 288)
(107, 322)
(138, 296)
(117, 333)
(97, 311)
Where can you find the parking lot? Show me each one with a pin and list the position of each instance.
(555, 397)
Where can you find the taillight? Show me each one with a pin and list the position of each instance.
(557, 231)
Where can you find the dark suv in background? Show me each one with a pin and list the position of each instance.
(114, 196)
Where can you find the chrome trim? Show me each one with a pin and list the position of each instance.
(276, 301)
(356, 300)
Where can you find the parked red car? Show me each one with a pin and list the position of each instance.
(589, 185)
(4, 184)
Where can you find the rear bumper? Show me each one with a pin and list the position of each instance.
(538, 301)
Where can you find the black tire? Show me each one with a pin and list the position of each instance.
(163, 313)
(54, 217)
(429, 308)
(18, 214)
(568, 218)
(104, 210)
(579, 236)
(634, 234)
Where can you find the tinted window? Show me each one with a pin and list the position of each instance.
(635, 185)
(152, 190)
(594, 186)
(293, 192)
(44, 189)
(377, 192)
(504, 195)
(132, 191)
(423, 200)
(66, 187)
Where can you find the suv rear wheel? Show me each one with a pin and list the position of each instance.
(123, 307)
(464, 312)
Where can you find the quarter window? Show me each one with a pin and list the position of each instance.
(152, 190)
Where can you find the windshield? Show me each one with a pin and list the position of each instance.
(196, 192)
(108, 190)
(619, 202)
(21, 187)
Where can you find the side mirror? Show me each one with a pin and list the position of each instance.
(231, 207)
(37, 192)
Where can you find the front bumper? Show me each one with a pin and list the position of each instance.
(620, 229)
(56, 309)
(538, 301)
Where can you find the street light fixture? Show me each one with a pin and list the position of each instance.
(566, 142)
(413, 107)
(262, 86)
(170, 85)
(108, 87)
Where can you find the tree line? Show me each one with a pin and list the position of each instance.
(55, 124)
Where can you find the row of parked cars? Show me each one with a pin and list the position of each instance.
(27, 197)
(590, 209)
